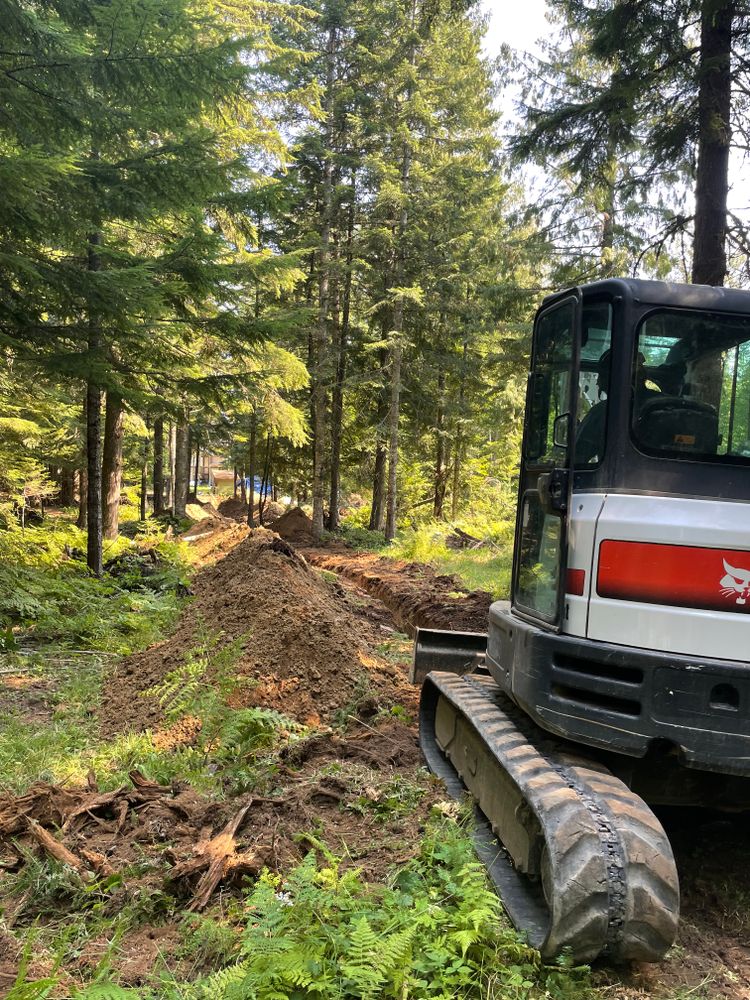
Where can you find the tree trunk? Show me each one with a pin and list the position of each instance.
(265, 480)
(94, 435)
(66, 488)
(397, 347)
(181, 466)
(172, 431)
(456, 487)
(252, 459)
(320, 334)
(441, 476)
(341, 347)
(377, 512)
(714, 131)
(144, 471)
(83, 490)
(243, 485)
(112, 464)
(459, 443)
(197, 464)
(159, 465)
(235, 482)
(393, 417)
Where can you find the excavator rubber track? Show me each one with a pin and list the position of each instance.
(582, 865)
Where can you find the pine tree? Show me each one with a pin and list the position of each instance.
(670, 94)
(138, 238)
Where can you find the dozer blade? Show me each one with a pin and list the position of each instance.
(580, 862)
(455, 652)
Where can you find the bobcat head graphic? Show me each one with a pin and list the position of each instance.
(736, 583)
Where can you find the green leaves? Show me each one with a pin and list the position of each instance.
(433, 932)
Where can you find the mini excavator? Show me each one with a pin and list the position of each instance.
(617, 677)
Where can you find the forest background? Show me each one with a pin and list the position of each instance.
(300, 237)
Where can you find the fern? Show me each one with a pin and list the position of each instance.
(107, 991)
(433, 933)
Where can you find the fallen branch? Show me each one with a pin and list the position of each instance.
(53, 847)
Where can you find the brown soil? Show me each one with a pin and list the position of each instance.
(295, 526)
(416, 596)
(304, 647)
(214, 536)
(234, 508)
(311, 646)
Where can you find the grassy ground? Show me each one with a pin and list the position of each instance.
(487, 568)
(432, 930)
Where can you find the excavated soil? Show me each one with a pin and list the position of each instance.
(294, 526)
(309, 648)
(213, 537)
(416, 596)
(312, 647)
(305, 649)
(236, 509)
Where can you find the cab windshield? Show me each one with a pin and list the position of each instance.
(691, 386)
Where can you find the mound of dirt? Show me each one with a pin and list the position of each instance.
(416, 596)
(213, 535)
(235, 509)
(294, 526)
(272, 511)
(304, 651)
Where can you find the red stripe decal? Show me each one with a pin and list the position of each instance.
(683, 576)
(575, 580)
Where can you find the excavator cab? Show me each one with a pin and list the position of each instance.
(625, 642)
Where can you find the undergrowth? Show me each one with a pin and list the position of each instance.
(48, 598)
(60, 630)
(487, 568)
(433, 932)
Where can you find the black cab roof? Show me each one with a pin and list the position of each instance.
(665, 293)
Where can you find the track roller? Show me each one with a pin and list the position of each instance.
(582, 864)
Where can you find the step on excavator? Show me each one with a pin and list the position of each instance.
(617, 677)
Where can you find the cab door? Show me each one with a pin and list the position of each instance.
(546, 464)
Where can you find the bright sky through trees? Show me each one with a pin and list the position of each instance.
(522, 25)
(516, 25)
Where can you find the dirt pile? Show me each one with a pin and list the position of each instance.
(303, 649)
(214, 535)
(416, 596)
(271, 512)
(294, 526)
(236, 509)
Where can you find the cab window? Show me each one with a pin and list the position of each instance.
(593, 384)
(691, 386)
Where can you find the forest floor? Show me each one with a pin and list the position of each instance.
(274, 723)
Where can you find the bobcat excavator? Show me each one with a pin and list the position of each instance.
(617, 677)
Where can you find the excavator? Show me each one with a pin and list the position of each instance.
(616, 679)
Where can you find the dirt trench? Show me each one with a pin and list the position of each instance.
(318, 649)
(414, 593)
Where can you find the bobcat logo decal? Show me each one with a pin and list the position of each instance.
(736, 583)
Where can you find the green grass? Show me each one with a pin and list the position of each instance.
(478, 569)
(487, 568)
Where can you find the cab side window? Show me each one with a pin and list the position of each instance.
(593, 384)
